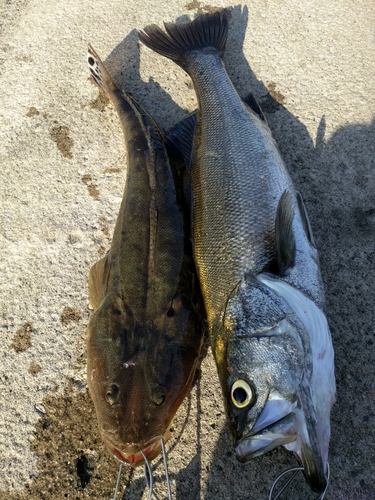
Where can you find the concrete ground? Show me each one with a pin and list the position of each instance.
(311, 66)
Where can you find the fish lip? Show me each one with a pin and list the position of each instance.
(131, 453)
(266, 439)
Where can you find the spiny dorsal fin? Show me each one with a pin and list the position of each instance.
(207, 30)
(305, 219)
(254, 106)
(285, 243)
(180, 138)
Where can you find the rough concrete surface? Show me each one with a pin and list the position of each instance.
(311, 66)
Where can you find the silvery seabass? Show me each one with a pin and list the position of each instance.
(145, 335)
(257, 263)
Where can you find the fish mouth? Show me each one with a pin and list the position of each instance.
(282, 424)
(134, 454)
(275, 426)
(282, 432)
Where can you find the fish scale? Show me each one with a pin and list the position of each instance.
(233, 227)
(257, 263)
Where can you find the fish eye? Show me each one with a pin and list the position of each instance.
(158, 396)
(241, 393)
(112, 394)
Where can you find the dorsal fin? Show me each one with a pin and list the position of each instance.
(305, 219)
(180, 138)
(250, 101)
(285, 243)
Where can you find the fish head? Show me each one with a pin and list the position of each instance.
(138, 379)
(266, 374)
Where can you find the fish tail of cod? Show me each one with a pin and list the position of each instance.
(99, 73)
(207, 32)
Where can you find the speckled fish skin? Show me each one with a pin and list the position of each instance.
(145, 335)
(251, 227)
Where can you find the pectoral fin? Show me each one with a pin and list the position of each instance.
(98, 281)
(285, 243)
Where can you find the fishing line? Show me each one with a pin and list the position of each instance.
(166, 469)
(118, 480)
(148, 475)
(295, 472)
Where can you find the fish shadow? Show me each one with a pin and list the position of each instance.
(187, 489)
(336, 179)
(345, 236)
(123, 63)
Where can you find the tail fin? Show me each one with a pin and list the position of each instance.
(99, 72)
(206, 31)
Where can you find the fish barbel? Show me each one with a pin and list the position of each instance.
(257, 263)
(145, 335)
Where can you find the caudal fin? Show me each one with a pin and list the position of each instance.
(206, 31)
(99, 72)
